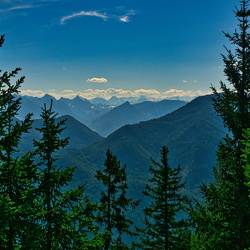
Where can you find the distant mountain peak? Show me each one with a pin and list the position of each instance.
(116, 118)
(114, 98)
(127, 103)
(46, 99)
(47, 96)
(99, 100)
(80, 98)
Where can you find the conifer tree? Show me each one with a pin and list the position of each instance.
(217, 220)
(246, 157)
(162, 229)
(227, 208)
(17, 174)
(114, 204)
(35, 211)
(65, 215)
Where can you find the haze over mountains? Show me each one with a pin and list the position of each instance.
(100, 115)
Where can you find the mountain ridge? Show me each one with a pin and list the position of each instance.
(116, 118)
(80, 135)
(93, 113)
(191, 133)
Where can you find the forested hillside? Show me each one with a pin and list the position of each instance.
(192, 134)
(79, 134)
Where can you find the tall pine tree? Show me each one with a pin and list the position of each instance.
(162, 227)
(64, 214)
(17, 174)
(246, 157)
(226, 211)
(37, 208)
(114, 204)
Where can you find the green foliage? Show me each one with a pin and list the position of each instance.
(37, 209)
(114, 204)
(222, 222)
(17, 174)
(246, 156)
(162, 229)
(233, 104)
(65, 221)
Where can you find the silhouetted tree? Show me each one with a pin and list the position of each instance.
(226, 211)
(65, 215)
(17, 173)
(246, 157)
(37, 208)
(114, 204)
(162, 228)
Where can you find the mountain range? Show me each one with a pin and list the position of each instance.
(191, 133)
(100, 115)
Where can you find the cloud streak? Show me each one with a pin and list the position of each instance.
(19, 7)
(122, 18)
(125, 18)
(24, 4)
(84, 13)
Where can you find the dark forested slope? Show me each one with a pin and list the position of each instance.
(80, 135)
(157, 109)
(192, 134)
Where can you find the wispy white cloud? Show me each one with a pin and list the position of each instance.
(124, 17)
(18, 7)
(189, 81)
(15, 5)
(98, 80)
(84, 13)
(21, 7)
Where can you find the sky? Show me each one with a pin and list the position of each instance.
(123, 48)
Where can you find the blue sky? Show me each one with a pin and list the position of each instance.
(102, 48)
